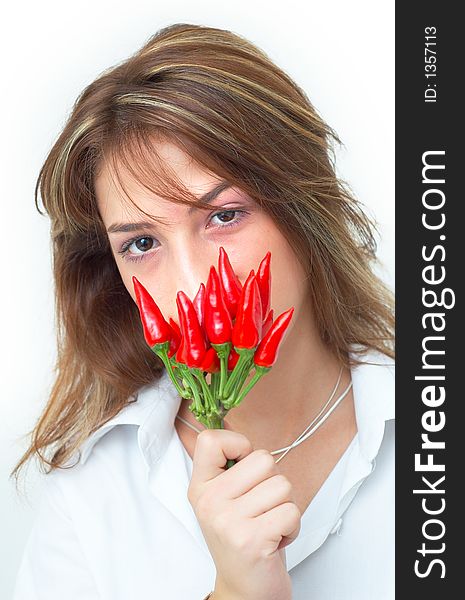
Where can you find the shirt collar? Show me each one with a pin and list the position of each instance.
(374, 400)
(153, 410)
(156, 405)
(373, 392)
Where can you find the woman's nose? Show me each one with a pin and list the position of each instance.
(186, 273)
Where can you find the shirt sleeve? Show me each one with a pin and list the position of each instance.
(53, 565)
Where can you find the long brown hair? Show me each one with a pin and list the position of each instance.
(241, 117)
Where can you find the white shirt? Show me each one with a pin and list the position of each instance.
(119, 526)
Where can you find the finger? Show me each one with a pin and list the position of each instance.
(249, 472)
(212, 450)
(283, 521)
(266, 495)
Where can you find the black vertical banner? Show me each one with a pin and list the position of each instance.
(430, 434)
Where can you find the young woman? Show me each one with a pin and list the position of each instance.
(195, 142)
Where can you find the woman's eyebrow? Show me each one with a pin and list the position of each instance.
(128, 227)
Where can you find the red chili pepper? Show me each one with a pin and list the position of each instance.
(181, 352)
(175, 339)
(263, 278)
(156, 328)
(217, 323)
(267, 323)
(247, 328)
(211, 362)
(193, 343)
(230, 283)
(176, 328)
(199, 304)
(267, 351)
(232, 359)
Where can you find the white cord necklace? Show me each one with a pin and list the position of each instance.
(321, 418)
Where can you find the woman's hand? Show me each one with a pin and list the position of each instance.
(247, 514)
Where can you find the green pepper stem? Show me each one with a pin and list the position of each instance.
(206, 392)
(241, 377)
(245, 373)
(223, 371)
(161, 350)
(244, 356)
(199, 409)
(223, 351)
(259, 372)
(214, 385)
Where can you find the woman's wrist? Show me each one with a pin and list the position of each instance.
(222, 593)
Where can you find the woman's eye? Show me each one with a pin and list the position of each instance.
(140, 245)
(230, 221)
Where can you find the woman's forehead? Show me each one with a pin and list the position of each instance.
(116, 208)
(168, 169)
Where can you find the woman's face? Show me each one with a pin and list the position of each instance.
(177, 254)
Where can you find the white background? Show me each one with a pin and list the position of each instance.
(341, 53)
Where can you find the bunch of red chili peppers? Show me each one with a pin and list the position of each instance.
(227, 330)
